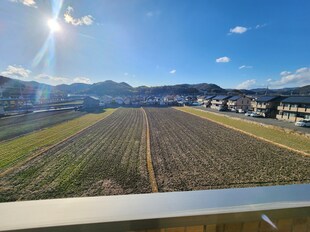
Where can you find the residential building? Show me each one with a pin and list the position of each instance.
(106, 99)
(267, 105)
(239, 102)
(220, 102)
(200, 99)
(207, 100)
(127, 101)
(118, 100)
(294, 109)
(91, 103)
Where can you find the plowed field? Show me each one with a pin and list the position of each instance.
(191, 153)
(186, 153)
(105, 159)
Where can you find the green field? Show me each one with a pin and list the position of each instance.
(291, 140)
(21, 149)
(22, 124)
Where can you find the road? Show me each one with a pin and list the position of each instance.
(268, 121)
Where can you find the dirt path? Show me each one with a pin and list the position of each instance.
(149, 156)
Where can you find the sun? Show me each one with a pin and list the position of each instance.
(53, 25)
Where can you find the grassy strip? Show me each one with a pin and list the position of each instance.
(293, 141)
(18, 150)
(149, 156)
(15, 127)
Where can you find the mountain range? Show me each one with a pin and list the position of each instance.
(15, 88)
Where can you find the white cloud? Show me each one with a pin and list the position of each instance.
(84, 80)
(269, 80)
(126, 74)
(51, 80)
(173, 71)
(85, 20)
(15, 71)
(238, 30)
(285, 73)
(246, 84)
(298, 78)
(245, 66)
(224, 59)
(30, 3)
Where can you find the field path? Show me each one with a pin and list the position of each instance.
(191, 153)
(149, 156)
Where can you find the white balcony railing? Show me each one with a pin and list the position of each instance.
(158, 210)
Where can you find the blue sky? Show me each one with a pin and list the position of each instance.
(241, 43)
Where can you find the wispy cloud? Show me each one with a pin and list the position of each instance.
(84, 80)
(30, 3)
(258, 26)
(173, 71)
(298, 78)
(223, 59)
(151, 14)
(16, 71)
(85, 20)
(238, 30)
(246, 84)
(245, 66)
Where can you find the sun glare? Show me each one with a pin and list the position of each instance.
(53, 25)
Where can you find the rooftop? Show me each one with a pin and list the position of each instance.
(269, 98)
(221, 97)
(234, 98)
(305, 100)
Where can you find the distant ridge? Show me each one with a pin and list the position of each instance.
(15, 88)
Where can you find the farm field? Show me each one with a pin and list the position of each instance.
(16, 151)
(191, 153)
(291, 140)
(111, 157)
(105, 159)
(19, 125)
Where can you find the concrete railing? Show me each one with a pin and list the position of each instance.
(261, 208)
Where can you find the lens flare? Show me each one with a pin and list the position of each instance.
(46, 54)
(53, 25)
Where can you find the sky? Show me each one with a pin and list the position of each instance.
(234, 44)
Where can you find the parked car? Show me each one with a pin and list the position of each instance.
(303, 122)
(241, 111)
(233, 110)
(254, 114)
(248, 113)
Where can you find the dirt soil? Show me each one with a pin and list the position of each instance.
(191, 153)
